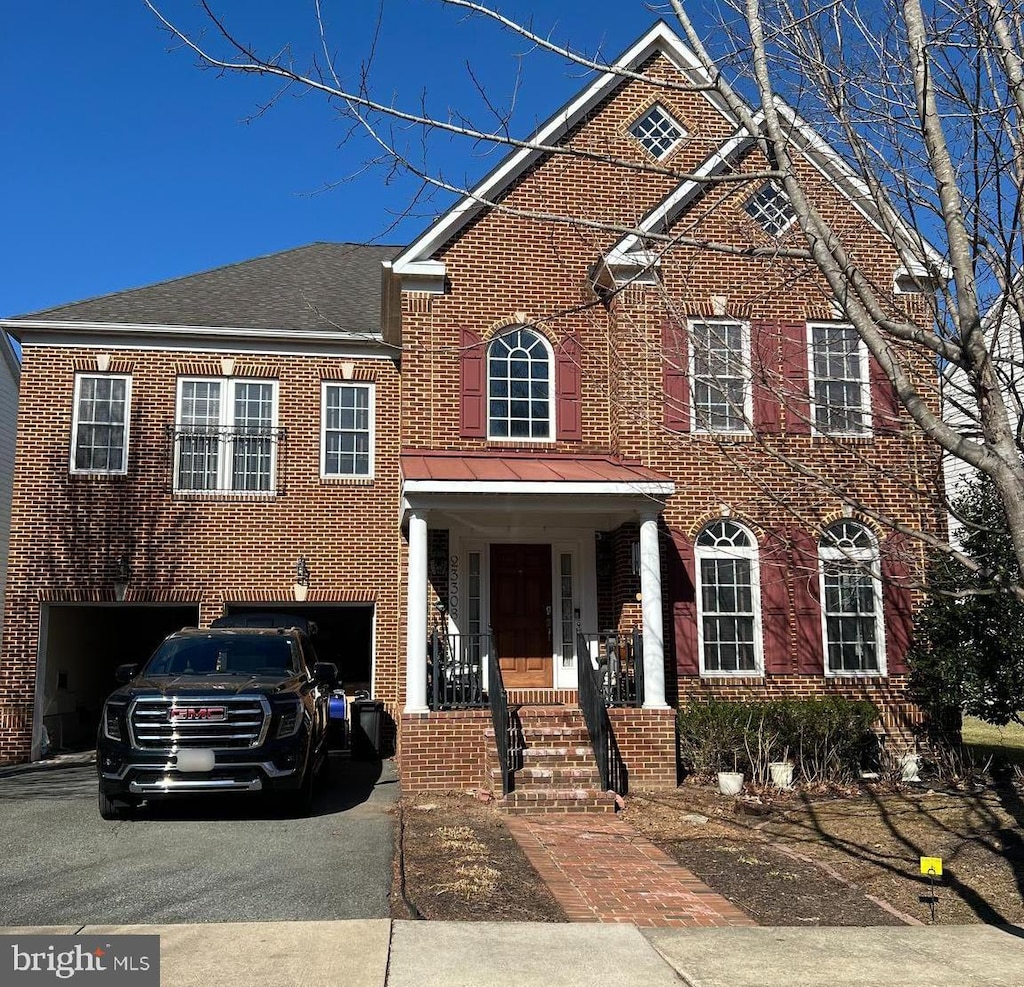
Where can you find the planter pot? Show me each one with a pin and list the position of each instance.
(910, 767)
(782, 774)
(730, 782)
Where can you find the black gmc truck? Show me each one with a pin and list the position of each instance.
(229, 709)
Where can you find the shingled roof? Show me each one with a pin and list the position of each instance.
(322, 286)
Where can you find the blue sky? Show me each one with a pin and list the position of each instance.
(123, 163)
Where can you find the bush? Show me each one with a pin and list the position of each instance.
(828, 740)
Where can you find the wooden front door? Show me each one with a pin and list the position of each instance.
(521, 614)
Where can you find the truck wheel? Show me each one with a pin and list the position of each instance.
(110, 808)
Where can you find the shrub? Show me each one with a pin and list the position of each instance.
(828, 740)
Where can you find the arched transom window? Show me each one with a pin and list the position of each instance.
(851, 596)
(729, 613)
(519, 386)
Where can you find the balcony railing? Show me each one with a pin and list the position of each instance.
(225, 459)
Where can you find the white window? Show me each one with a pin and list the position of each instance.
(728, 600)
(567, 608)
(657, 131)
(99, 429)
(519, 386)
(226, 435)
(839, 380)
(851, 594)
(347, 430)
(771, 208)
(720, 363)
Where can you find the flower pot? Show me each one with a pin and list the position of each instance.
(910, 766)
(730, 782)
(782, 774)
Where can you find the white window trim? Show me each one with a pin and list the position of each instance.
(759, 220)
(79, 377)
(226, 418)
(862, 556)
(372, 413)
(552, 391)
(698, 426)
(683, 132)
(751, 553)
(558, 549)
(865, 384)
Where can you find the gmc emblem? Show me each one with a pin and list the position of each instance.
(209, 714)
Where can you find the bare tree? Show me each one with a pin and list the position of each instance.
(924, 108)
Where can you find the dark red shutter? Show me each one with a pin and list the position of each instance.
(472, 386)
(885, 406)
(896, 602)
(676, 363)
(567, 389)
(806, 602)
(764, 376)
(795, 386)
(775, 604)
(683, 601)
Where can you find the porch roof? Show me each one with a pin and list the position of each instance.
(442, 471)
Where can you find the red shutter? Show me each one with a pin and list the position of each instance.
(806, 603)
(764, 374)
(676, 363)
(885, 406)
(775, 605)
(796, 395)
(472, 386)
(683, 600)
(896, 603)
(567, 389)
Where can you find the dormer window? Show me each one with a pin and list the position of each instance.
(657, 131)
(770, 207)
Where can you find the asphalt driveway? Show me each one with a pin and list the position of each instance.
(229, 860)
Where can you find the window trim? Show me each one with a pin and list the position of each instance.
(552, 398)
(683, 131)
(861, 555)
(696, 424)
(865, 383)
(752, 553)
(370, 387)
(226, 420)
(758, 219)
(75, 422)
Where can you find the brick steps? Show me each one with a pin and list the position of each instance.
(554, 770)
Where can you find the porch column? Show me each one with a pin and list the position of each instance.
(416, 617)
(650, 598)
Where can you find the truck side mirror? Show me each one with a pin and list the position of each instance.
(326, 673)
(125, 673)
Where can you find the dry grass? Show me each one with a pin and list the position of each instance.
(985, 740)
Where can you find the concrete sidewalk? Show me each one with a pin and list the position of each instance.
(381, 953)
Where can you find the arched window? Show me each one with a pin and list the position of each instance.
(519, 386)
(728, 604)
(851, 593)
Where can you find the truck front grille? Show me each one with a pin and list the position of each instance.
(159, 723)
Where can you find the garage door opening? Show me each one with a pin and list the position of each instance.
(81, 647)
(344, 636)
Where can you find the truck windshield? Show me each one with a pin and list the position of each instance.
(220, 654)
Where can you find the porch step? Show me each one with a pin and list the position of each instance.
(557, 801)
(558, 776)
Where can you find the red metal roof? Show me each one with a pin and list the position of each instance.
(436, 464)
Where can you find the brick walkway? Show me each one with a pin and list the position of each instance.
(601, 870)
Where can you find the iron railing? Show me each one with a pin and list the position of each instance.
(620, 664)
(456, 670)
(592, 701)
(500, 718)
(225, 458)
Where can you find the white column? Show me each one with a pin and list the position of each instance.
(650, 598)
(416, 613)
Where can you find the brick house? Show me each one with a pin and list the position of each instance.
(510, 451)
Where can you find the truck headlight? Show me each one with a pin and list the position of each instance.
(112, 713)
(290, 719)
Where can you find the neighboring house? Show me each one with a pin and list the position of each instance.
(10, 371)
(527, 448)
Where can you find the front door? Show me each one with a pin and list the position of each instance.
(521, 614)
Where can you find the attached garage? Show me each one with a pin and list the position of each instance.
(80, 647)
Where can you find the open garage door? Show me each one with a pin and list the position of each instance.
(344, 635)
(80, 649)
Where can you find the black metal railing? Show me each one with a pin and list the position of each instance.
(592, 701)
(500, 718)
(225, 459)
(620, 664)
(456, 670)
